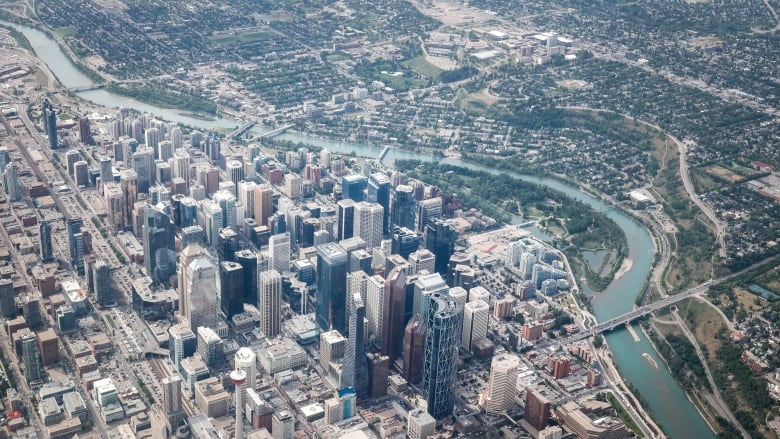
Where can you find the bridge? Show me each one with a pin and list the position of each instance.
(644, 310)
(242, 129)
(628, 317)
(277, 131)
(384, 152)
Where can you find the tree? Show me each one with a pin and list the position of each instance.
(598, 341)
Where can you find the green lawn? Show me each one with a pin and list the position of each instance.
(69, 31)
(423, 67)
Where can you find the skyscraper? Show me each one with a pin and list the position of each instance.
(101, 273)
(414, 349)
(537, 409)
(76, 244)
(231, 279)
(394, 310)
(331, 287)
(443, 322)
(346, 219)
(227, 245)
(47, 252)
(180, 164)
(476, 316)
(270, 302)
(227, 202)
(235, 172)
(424, 287)
(368, 223)
(85, 133)
(174, 412)
(7, 300)
(264, 204)
(354, 372)
(353, 186)
(182, 343)
(158, 242)
(248, 260)
(279, 250)
(379, 192)
(201, 280)
(403, 207)
(405, 241)
(427, 211)
(500, 394)
(375, 305)
(143, 164)
(440, 239)
(11, 181)
(422, 259)
(31, 357)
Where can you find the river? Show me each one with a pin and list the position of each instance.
(665, 398)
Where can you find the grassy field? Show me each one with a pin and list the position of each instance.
(69, 31)
(423, 67)
(705, 322)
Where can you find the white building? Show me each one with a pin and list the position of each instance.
(475, 323)
(500, 395)
(420, 424)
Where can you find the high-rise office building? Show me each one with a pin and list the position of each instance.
(50, 123)
(537, 409)
(421, 424)
(11, 181)
(378, 372)
(212, 221)
(246, 197)
(31, 357)
(188, 254)
(270, 302)
(231, 279)
(227, 245)
(476, 316)
(368, 223)
(264, 203)
(414, 349)
(143, 164)
(424, 286)
(422, 259)
(283, 425)
(46, 249)
(128, 183)
(7, 299)
(176, 138)
(353, 186)
(443, 327)
(201, 280)
(235, 172)
(405, 241)
(375, 305)
(331, 287)
(354, 372)
(393, 322)
(249, 261)
(346, 219)
(182, 343)
(279, 250)
(101, 273)
(427, 211)
(440, 239)
(85, 133)
(227, 202)
(180, 166)
(76, 244)
(500, 394)
(172, 406)
(379, 192)
(403, 207)
(158, 242)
